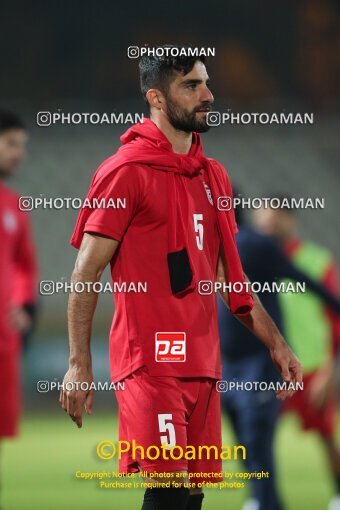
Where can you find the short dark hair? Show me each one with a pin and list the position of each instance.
(158, 71)
(10, 120)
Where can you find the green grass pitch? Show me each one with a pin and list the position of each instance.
(38, 469)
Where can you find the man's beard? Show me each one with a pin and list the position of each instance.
(183, 120)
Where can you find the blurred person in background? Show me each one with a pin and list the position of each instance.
(18, 274)
(312, 329)
(254, 414)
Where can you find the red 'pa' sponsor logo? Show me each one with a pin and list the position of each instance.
(170, 346)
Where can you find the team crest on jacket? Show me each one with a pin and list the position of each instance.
(208, 192)
(9, 221)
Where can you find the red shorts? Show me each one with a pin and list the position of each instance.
(10, 393)
(311, 418)
(176, 411)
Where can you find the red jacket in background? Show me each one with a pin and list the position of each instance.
(18, 268)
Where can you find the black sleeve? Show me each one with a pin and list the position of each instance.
(284, 268)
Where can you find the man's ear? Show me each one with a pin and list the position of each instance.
(155, 98)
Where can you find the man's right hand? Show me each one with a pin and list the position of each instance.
(94, 255)
(73, 400)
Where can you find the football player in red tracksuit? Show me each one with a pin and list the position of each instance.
(18, 274)
(172, 234)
